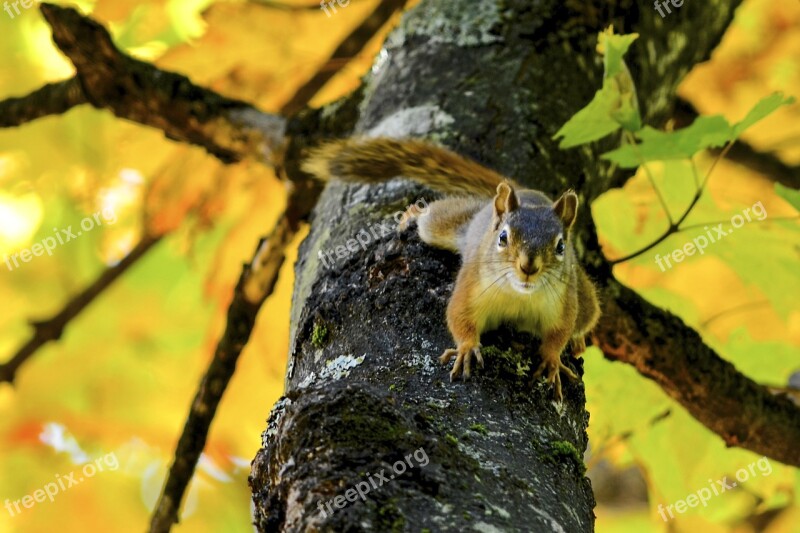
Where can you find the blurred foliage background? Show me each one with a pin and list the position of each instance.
(121, 378)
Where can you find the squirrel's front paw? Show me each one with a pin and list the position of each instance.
(409, 215)
(464, 354)
(554, 367)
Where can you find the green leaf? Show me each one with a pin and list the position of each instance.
(614, 48)
(705, 132)
(614, 105)
(593, 121)
(627, 113)
(790, 195)
(762, 109)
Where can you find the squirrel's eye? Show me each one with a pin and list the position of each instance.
(502, 240)
(560, 247)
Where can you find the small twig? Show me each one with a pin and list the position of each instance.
(280, 6)
(241, 320)
(346, 50)
(647, 248)
(52, 329)
(733, 310)
(694, 174)
(676, 226)
(719, 158)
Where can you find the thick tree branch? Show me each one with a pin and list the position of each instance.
(51, 330)
(51, 99)
(662, 348)
(659, 345)
(231, 130)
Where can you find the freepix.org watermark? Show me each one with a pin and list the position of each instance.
(660, 5)
(325, 4)
(362, 488)
(374, 232)
(715, 489)
(700, 243)
(60, 236)
(61, 484)
(26, 4)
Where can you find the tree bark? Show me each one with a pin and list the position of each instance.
(364, 388)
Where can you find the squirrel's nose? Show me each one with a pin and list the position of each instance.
(528, 266)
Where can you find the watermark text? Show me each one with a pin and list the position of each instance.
(701, 242)
(60, 236)
(362, 488)
(61, 484)
(715, 489)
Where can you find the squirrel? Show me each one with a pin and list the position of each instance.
(518, 264)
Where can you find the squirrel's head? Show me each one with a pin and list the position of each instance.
(532, 241)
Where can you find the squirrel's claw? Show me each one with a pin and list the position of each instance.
(554, 369)
(463, 362)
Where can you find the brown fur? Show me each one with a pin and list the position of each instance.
(521, 279)
(378, 160)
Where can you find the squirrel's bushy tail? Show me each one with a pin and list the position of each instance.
(375, 160)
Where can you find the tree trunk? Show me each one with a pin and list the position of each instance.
(364, 390)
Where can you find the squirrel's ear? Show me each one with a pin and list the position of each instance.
(566, 208)
(505, 200)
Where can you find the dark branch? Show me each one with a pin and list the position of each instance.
(52, 99)
(348, 49)
(241, 320)
(256, 283)
(51, 330)
(661, 347)
(280, 6)
(231, 130)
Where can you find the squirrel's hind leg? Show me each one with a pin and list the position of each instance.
(445, 219)
(588, 312)
(577, 345)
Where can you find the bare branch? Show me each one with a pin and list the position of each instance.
(231, 130)
(346, 50)
(280, 6)
(51, 330)
(256, 283)
(51, 99)
(661, 347)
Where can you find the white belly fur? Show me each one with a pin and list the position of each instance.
(534, 313)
